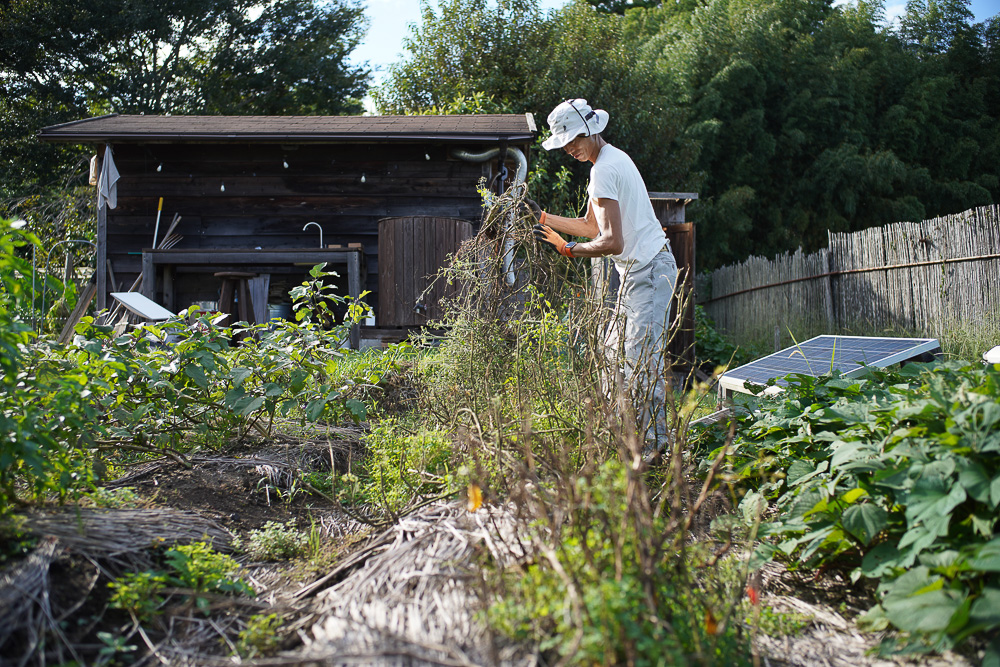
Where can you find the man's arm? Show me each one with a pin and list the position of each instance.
(604, 216)
(585, 227)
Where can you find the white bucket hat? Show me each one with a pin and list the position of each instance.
(571, 119)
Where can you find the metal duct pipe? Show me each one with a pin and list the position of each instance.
(516, 153)
(519, 177)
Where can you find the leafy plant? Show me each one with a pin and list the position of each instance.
(712, 349)
(405, 463)
(274, 541)
(195, 567)
(138, 593)
(260, 637)
(39, 454)
(894, 476)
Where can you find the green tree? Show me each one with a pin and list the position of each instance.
(60, 60)
(507, 52)
(812, 118)
(468, 47)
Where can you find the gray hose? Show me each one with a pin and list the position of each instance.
(519, 178)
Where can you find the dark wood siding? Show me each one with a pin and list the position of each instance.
(346, 188)
(414, 250)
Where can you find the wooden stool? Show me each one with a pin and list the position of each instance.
(235, 293)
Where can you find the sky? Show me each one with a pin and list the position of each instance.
(390, 20)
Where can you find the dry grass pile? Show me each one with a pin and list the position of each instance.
(415, 598)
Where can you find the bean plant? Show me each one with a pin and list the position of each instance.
(894, 477)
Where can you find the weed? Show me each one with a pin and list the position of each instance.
(261, 636)
(405, 464)
(138, 593)
(275, 541)
(195, 567)
(114, 498)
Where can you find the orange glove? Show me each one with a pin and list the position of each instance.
(545, 234)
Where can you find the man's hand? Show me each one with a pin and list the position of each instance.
(531, 209)
(545, 234)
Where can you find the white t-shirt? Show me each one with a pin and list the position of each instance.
(615, 176)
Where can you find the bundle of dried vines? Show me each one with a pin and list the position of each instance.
(126, 534)
(499, 267)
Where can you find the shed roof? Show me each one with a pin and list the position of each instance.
(295, 129)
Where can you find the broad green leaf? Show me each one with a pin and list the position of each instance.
(799, 470)
(918, 602)
(987, 557)
(356, 408)
(931, 501)
(197, 375)
(852, 496)
(880, 561)
(233, 396)
(864, 521)
(995, 491)
(986, 608)
(983, 524)
(873, 620)
(315, 408)
(239, 375)
(252, 405)
(914, 541)
(851, 453)
(975, 479)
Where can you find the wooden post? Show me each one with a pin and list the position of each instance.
(670, 211)
(354, 288)
(168, 287)
(102, 254)
(148, 276)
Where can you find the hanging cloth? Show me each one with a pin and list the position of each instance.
(107, 184)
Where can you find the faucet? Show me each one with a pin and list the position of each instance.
(317, 227)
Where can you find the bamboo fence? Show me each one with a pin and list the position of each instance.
(919, 277)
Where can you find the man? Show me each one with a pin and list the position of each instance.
(622, 225)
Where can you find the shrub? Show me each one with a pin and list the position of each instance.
(894, 476)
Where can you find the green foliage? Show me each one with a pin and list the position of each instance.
(261, 637)
(812, 118)
(195, 567)
(604, 576)
(712, 349)
(138, 593)
(895, 476)
(405, 463)
(467, 48)
(274, 541)
(39, 454)
(507, 52)
(202, 569)
(137, 392)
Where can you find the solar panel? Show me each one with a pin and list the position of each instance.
(824, 354)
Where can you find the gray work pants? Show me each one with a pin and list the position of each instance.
(637, 339)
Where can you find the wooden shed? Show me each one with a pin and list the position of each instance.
(247, 187)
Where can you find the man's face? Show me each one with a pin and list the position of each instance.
(577, 148)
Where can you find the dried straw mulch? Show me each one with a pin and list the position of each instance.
(416, 597)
